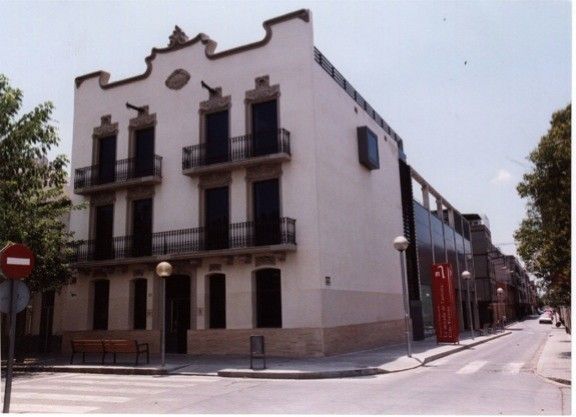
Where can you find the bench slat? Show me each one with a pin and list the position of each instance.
(121, 346)
(88, 346)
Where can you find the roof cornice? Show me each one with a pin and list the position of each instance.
(209, 48)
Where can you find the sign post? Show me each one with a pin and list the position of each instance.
(16, 262)
(444, 302)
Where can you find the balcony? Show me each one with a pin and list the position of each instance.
(238, 152)
(201, 242)
(126, 173)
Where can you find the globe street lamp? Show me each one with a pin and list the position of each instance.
(500, 293)
(466, 277)
(401, 244)
(164, 270)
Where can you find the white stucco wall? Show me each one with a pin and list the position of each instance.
(359, 212)
(346, 216)
(288, 60)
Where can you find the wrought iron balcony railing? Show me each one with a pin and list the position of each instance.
(122, 171)
(236, 149)
(219, 237)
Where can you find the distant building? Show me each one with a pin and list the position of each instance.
(494, 270)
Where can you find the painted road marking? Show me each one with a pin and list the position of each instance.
(513, 367)
(173, 380)
(122, 390)
(132, 383)
(69, 397)
(472, 367)
(50, 408)
(17, 261)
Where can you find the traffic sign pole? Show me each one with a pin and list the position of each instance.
(8, 385)
(16, 262)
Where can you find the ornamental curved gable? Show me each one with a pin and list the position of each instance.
(179, 40)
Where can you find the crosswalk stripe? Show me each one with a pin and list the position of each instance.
(50, 408)
(91, 388)
(103, 379)
(513, 367)
(68, 397)
(472, 367)
(131, 384)
(112, 377)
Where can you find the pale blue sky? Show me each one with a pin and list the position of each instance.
(469, 85)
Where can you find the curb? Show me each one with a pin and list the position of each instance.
(232, 373)
(559, 380)
(93, 370)
(460, 348)
(348, 373)
(537, 369)
(97, 370)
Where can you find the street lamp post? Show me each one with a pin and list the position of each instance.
(401, 244)
(164, 270)
(466, 277)
(500, 293)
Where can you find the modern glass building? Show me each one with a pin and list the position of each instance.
(441, 235)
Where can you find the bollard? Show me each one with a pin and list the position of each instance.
(257, 351)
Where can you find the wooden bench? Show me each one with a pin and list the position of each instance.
(87, 346)
(105, 346)
(126, 346)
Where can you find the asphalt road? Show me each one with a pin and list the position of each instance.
(493, 378)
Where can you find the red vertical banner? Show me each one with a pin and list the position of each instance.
(444, 302)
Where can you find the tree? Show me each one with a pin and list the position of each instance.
(32, 200)
(544, 234)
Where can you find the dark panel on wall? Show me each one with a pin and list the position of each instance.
(411, 252)
(425, 251)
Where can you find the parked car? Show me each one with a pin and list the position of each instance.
(545, 318)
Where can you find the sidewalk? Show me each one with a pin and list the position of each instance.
(555, 361)
(377, 361)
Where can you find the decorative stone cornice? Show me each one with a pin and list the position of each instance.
(245, 259)
(269, 258)
(215, 179)
(264, 260)
(216, 102)
(106, 128)
(143, 119)
(180, 268)
(178, 79)
(263, 91)
(138, 193)
(102, 199)
(263, 172)
(103, 272)
(177, 38)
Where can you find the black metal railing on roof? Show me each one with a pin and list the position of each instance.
(356, 96)
(122, 171)
(236, 149)
(264, 232)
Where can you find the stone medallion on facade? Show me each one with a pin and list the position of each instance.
(178, 79)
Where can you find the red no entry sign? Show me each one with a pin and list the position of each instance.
(16, 261)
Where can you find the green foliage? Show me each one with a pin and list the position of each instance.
(544, 235)
(32, 200)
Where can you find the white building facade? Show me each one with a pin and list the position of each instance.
(272, 190)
